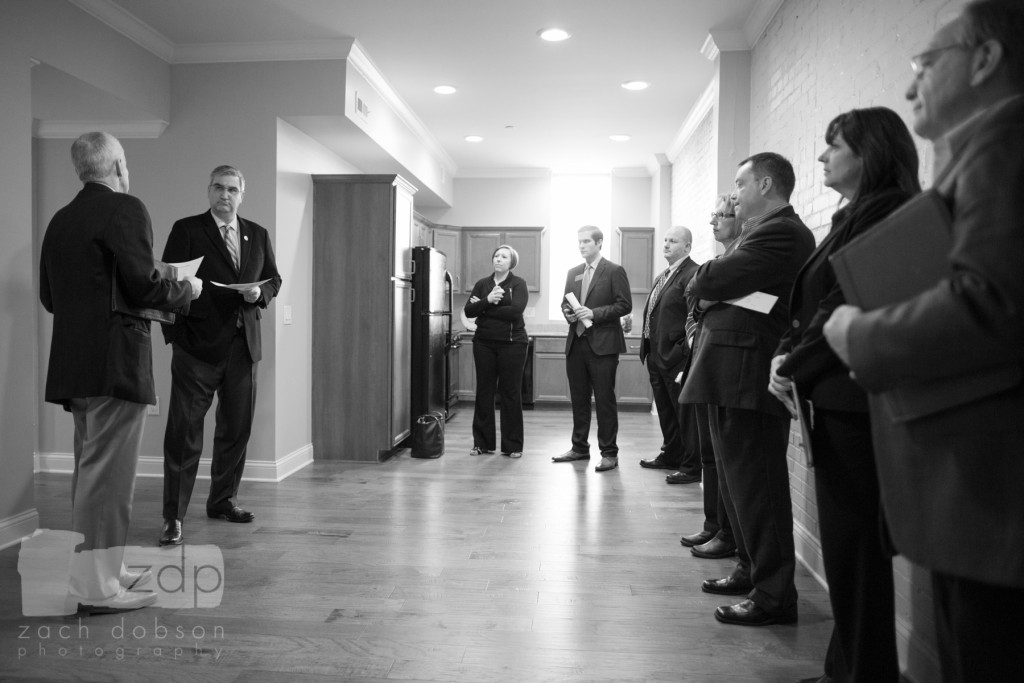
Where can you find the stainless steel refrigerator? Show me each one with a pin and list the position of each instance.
(431, 332)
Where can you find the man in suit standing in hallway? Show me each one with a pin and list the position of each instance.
(951, 463)
(749, 428)
(216, 349)
(664, 349)
(592, 347)
(101, 359)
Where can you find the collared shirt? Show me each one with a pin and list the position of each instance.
(752, 223)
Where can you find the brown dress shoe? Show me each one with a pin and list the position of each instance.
(607, 464)
(696, 539)
(728, 586)
(656, 464)
(747, 613)
(569, 456)
(714, 549)
(682, 478)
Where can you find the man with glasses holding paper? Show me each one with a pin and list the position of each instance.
(216, 349)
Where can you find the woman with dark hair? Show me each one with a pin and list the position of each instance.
(872, 163)
(500, 345)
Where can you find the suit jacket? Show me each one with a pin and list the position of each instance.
(731, 364)
(819, 374)
(609, 298)
(667, 349)
(957, 473)
(207, 330)
(95, 351)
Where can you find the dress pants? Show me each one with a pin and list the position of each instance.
(499, 364)
(716, 518)
(108, 436)
(750, 451)
(857, 566)
(679, 448)
(588, 374)
(193, 384)
(978, 629)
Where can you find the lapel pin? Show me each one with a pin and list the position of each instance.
(245, 237)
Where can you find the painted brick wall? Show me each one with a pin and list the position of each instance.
(814, 60)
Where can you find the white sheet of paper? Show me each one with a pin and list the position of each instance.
(242, 286)
(187, 268)
(575, 303)
(758, 301)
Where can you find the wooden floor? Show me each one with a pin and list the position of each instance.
(464, 568)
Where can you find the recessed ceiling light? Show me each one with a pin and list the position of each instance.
(636, 85)
(619, 138)
(553, 35)
(444, 89)
(474, 138)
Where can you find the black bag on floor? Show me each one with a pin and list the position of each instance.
(428, 436)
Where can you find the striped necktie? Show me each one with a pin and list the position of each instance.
(580, 327)
(654, 299)
(231, 240)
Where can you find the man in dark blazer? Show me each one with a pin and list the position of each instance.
(216, 349)
(664, 349)
(101, 359)
(592, 347)
(749, 427)
(951, 464)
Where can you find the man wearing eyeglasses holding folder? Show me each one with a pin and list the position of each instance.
(944, 368)
(216, 349)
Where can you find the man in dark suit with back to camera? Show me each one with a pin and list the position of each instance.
(749, 428)
(951, 465)
(664, 349)
(101, 359)
(216, 349)
(592, 347)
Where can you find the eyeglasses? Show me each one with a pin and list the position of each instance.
(233, 191)
(919, 62)
(716, 214)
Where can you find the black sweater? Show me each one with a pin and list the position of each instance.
(502, 321)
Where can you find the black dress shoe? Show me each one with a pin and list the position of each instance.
(727, 586)
(171, 533)
(714, 549)
(569, 456)
(747, 613)
(824, 678)
(235, 514)
(682, 478)
(656, 464)
(697, 538)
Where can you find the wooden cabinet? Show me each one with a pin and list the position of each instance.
(362, 314)
(480, 243)
(550, 383)
(449, 242)
(636, 255)
(632, 381)
(467, 370)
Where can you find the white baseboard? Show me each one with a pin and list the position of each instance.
(17, 527)
(153, 465)
(808, 552)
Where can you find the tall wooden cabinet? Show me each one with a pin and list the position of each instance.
(480, 243)
(362, 315)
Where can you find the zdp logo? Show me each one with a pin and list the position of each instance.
(185, 576)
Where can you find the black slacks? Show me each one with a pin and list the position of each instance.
(679, 443)
(193, 384)
(750, 451)
(588, 374)
(716, 517)
(499, 367)
(857, 566)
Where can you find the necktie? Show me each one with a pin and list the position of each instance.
(654, 299)
(231, 240)
(580, 327)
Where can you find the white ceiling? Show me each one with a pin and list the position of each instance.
(537, 105)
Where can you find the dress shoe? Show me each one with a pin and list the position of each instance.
(569, 456)
(607, 464)
(656, 464)
(727, 586)
(171, 534)
(132, 580)
(714, 549)
(824, 678)
(124, 601)
(235, 514)
(747, 613)
(682, 478)
(697, 538)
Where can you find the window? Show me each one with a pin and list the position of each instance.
(576, 200)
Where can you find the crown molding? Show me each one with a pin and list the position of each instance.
(69, 130)
(698, 111)
(274, 51)
(758, 19)
(125, 23)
